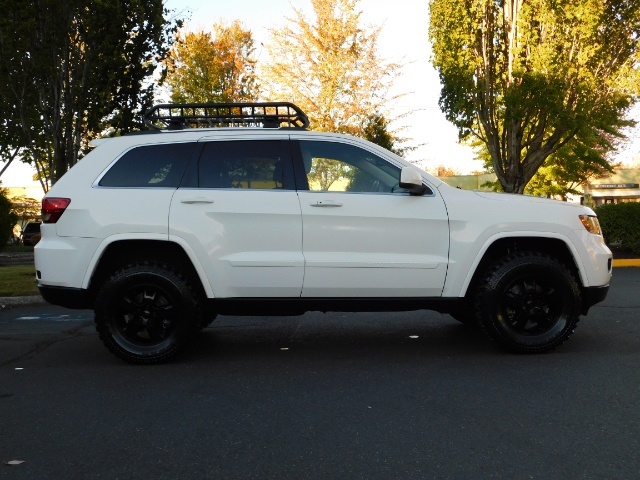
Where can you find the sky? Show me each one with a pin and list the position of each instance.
(403, 39)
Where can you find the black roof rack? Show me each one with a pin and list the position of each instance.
(177, 116)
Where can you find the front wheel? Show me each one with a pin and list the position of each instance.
(529, 302)
(147, 313)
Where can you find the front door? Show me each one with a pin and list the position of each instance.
(363, 236)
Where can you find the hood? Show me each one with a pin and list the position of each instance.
(517, 198)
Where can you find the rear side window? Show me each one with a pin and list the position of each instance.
(250, 164)
(150, 166)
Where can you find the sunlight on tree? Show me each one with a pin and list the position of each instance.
(72, 70)
(330, 66)
(527, 79)
(213, 67)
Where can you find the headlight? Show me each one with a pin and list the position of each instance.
(591, 223)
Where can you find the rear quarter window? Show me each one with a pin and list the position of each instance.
(149, 166)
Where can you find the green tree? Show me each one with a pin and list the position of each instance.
(526, 78)
(567, 170)
(329, 65)
(218, 67)
(376, 129)
(8, 218)
(72, 69)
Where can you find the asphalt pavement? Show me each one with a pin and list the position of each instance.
(323, 396)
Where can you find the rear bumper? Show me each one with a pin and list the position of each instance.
(593, 295)
(76, 298)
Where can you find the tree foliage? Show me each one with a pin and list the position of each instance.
(326, 171)
(444, 171)
(567, 171)
(72, 69)
(27, 209)
(528, 78)
(330, 66)
(7, 218)
(376, 129)
(213, 67)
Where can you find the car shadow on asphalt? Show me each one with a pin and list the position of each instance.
(345, 336)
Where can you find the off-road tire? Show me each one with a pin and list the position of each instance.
(528, 302)
(147, 313)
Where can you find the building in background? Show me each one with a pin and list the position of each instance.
(470, 182)
(622, 186)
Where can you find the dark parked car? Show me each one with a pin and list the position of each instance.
(30, 230)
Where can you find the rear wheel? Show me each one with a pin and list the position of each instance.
(147, 313)
(529, 302)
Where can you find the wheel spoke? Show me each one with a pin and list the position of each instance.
(147, 315)
(132, 327)
(547, 297)
(513, 300)
(529, 305)
(520, 319)
(129, 306)
(162, 312)
(545, 318)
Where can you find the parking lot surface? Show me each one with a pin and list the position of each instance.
(329, 396)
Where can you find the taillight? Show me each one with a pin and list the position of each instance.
(53, 208)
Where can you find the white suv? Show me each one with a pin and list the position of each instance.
(160, 232)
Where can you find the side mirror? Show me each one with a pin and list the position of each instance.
(411, 180)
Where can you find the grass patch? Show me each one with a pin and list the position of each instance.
(18, 281)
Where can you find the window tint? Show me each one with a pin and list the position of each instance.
(150, 166)
(338, 167)
(256, 164)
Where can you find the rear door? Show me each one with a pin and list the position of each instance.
(240, 215)
(363, 236)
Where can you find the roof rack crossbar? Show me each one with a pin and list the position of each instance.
(255, 114)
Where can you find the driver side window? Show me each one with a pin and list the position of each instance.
(339, 167)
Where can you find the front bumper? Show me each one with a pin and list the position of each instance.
(593, 295)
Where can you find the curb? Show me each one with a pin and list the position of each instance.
(626, 262)
(21, 301)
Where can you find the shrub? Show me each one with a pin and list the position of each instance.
(621, 224)
(7, 219)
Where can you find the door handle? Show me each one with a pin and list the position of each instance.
(325, 203)
(191, 201)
